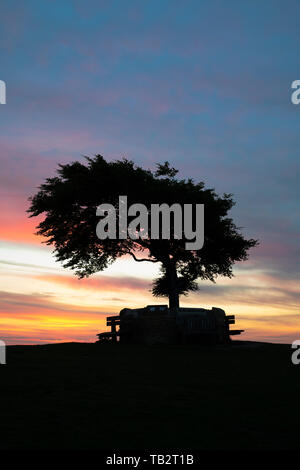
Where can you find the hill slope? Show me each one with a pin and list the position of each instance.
(110, 396)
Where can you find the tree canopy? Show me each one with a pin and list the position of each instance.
(69, 201)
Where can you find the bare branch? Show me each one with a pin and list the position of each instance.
(141, 259)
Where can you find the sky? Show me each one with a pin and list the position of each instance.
(205, 85)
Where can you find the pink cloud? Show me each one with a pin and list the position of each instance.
(103, 283)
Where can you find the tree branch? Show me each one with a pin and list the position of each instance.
(141, 259)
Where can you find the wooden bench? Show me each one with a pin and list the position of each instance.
(113, 334)
(114, 321)
(230, 320)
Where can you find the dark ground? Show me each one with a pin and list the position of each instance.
(112, 396)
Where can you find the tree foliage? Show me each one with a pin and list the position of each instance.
(69, 200)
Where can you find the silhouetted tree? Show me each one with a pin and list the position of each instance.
(69, 201)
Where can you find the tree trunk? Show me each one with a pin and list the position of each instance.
(173, 286)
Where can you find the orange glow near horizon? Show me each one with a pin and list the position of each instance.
(40, 302)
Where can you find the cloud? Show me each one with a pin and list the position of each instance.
(270, 295)
(38, 318)
(35, 305)
(103, 283)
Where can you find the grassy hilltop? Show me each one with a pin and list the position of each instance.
(111, 396)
